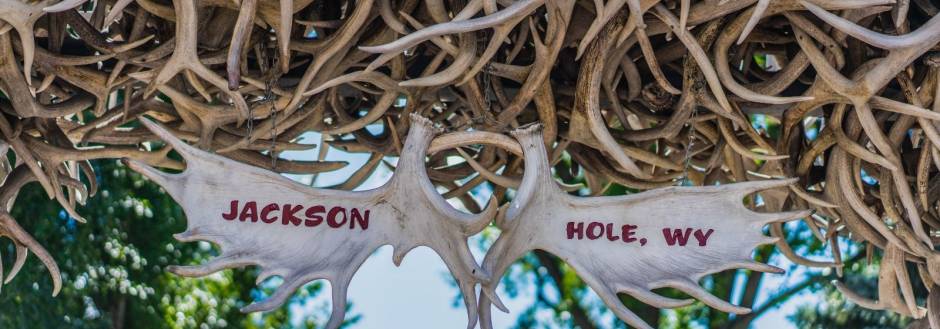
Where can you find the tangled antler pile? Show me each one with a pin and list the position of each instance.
(642, 93)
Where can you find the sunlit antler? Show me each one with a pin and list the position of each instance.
(632, 244)
(303, 234)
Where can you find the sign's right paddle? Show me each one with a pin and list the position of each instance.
(631, 244)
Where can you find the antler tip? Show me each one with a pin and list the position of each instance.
(419, 120)
(253, 307)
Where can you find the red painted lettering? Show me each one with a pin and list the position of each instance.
(592, 230)
(249, 212)
(287, 215)
(266, 210)
(233, 211)
(575, 228)
(610, 233)
(627, 232)
(331, 217)
(703, 237)
(358, 218)
(312, 218)
(674, 236)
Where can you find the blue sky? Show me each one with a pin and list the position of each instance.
(418, 294)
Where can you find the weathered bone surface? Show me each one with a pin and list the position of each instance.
(638, 93)
(669, 237)
(258, 217)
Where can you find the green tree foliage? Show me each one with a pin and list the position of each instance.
(113, 267)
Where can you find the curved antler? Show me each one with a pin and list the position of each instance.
(303, 234)
(635, 243)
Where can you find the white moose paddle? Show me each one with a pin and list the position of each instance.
(258, 217)
(669, 237)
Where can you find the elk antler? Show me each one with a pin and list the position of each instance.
(670, 237)
(301, 234)
(185, 57)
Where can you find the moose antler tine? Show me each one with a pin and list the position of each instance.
(760, 267)
(467, 289)
(768, 240)
(267, 274)
(186, 236)
(495, 263)
(399, 253)
(187, 151)
(153, 174)
(537, 172)
(484, 312)
(471, 224)
(498, 258)
(500, 219)
(477, 272)
(610, 298)
(694, 290)
(411, 170)
(214, 265)
(489, 297)
(745, 188)
(489, 291)
(280, 295)
(654, 299)
(339, 304)
(490, 213)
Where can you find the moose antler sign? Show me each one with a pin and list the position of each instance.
(663, 238)
(302, 234)
(669, 237)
